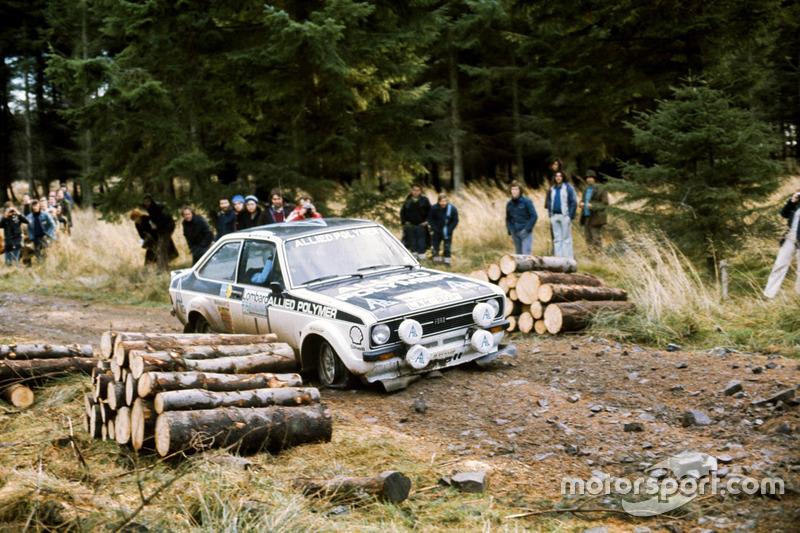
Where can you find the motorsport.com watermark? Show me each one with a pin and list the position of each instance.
(692, 475)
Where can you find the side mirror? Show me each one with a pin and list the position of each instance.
(276, 287)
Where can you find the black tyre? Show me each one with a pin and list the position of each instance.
(332, 372)
(198, 325)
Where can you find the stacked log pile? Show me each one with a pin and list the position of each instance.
(547, 295)
(26, 365)
(180, 393)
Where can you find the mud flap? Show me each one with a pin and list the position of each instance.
(396, 384)
(502, 349)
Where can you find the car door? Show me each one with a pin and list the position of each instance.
(258, 268)
(216, 277)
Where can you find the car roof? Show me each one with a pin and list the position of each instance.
(289, 230)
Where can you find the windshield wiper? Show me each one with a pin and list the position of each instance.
(332, 277)
(374, 267)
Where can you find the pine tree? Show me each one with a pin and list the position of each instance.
(711, 162)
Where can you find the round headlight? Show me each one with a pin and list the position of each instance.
(482, 341)
(410, 331)
(483, 314)
(418, 356)
(380, 334)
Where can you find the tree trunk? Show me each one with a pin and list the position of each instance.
(479, 274)
(245, 430)
(540, 327)
(522, 263)
(277, 361)
(527, 288)
(455, 117)
(388, 486)
(493, 272)
(18, 371)
(143, 424)
(115, 395)
(157, 341)
(151, 383)
(18, 395)
(573, 293)
(525, 322)
(534, 280)
(23, 352)
(576, 315)
(122, 425)
(195, 399)
(512, 324)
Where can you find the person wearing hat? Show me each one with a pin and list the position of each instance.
(238, 207)
(249, 218)
(592, 216)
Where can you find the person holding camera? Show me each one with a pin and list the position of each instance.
(12, 233)
(788, 249)
(305, 210)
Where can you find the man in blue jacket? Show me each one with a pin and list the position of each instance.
(561, 204)
(443, 219)
(521, 217)
(41, 228)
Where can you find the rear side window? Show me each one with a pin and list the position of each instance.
(222, 265)
(259, 265)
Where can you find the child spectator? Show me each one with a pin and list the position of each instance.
(305, 209)
(443, 219)
(12, 233)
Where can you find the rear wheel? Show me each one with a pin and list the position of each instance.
(332, 372)
(198, 325)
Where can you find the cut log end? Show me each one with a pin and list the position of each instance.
(18, 395)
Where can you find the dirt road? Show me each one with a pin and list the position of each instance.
(569, 406)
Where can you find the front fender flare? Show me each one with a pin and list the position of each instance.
(338, 342)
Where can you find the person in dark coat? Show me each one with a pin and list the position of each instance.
(278, 211)
(414, 218)
(521, 218)
(41, 228)
(197, 232)
(164, 225)
(249, 218)
(593, 216)
(12, 233)
(147, 233)
(443, 219)
(226, 221)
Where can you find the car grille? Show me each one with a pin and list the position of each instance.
(437, 321)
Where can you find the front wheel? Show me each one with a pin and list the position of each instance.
(332, 372)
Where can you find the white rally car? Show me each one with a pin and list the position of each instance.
(347, 296)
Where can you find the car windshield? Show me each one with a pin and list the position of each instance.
(344, 253)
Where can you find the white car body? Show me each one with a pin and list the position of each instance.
(346, 285)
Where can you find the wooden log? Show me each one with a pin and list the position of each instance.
(17, 371)
(107, 344)
(214, 352)
(510, 307)
(512, 294)
(195, 399)
(130, 389)
(18, 395)
(479, 274)
(536, 309)
(512, 323)
(103, 432)
(115, 395)
(527, 288)
(523, 263)
(151, 383)
(390, 486)
(116, 370)
(572, 316)
(525, 322)
(101, 386)
(503, 284)
(106, 413)
(540, 327)
(573, 293)
(127, 341)
(122, 425)
(562, 278)
(245, 430)
(493, 272)
(511, 280)
(281, 359)
(102, 367)
(143, 424)
(111, 430)
(95, 421)
(26, 352)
